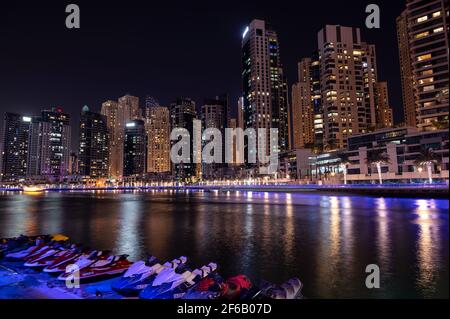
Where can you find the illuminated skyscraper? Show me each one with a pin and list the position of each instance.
(16, 136)
(406, 74)
(182, 115)
(157, 126)
(93, 153)
(110, 109)
(117, 114)
(384, 117)
(302, 107)
(135, 149)
(54, 144)
(347, 80)
(264, 87)
(214, 115)
(427, 25)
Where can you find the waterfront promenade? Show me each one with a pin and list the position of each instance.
(386, 190)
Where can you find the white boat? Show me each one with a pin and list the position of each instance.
(33, 189)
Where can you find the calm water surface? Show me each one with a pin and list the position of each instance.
(325, 240)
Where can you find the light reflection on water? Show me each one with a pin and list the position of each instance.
(326, 240)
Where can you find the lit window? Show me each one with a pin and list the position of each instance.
(427, 72)
(424, 57)
(421, 35)
(436, 14)
(438, 30)
(426, 81)
(421, 19)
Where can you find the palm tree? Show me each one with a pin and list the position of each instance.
(344, 162)
(377, 158)
(427, 158)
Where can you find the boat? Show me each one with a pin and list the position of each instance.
(207, 288)
(82, 258)
(141, 273)
(51, 255)
(215, 287)
(33, 188)
(176, 285)
(291, 289)
(39, 245)
(111, 266)
(16, 244)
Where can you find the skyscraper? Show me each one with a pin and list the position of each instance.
(347, 79)
(135, 148)
(384, 116)
(240, 113)
(157, 126)
(406, 74)
(129, 106)
(214, 115)
(316, 96)
(15, 146)
(264, 88)
(110, 109)
(427, 24)
(93, 152)
(182, 115)
(54, 145)
(302, 107)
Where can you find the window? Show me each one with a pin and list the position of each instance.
(424, 57)
(421, 19)
(421, 35)
(436, 14)
(426, 81)
(438, 30)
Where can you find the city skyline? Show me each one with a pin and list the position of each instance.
(297, 39)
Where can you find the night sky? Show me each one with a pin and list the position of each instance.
(162, 48)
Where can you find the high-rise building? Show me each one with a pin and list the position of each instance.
(370, 78)
(427, 23)
(406, 73)
(135, 149)
(347, 80)
(384, 116)
(214, 115)
(182, 115)
(232, 145)
(93, 153)
(110, 109)
(74, 168)
(316, 97)
(129, 106)
(264, 85)
(15, 146)
(34, 147)
(240, 113)
(54, 144)
(302, 107)
(157, 126)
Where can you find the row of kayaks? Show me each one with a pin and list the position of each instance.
(147, 279)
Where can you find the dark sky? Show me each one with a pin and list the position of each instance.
(162, 48)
